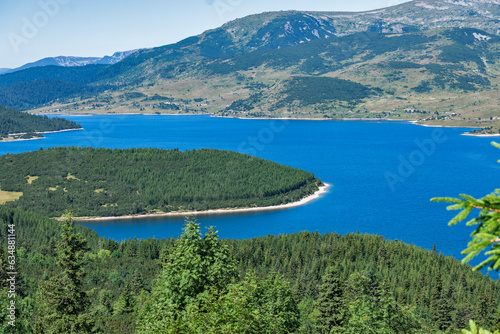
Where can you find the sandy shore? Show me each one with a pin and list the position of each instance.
(43, 132)
(16, 140)
(323, 189)
(481, 135)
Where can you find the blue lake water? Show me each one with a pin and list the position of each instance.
(382, 173)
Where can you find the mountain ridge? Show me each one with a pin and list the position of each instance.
(72, 61)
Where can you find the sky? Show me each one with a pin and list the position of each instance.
(34, 29)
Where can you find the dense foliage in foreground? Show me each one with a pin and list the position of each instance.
(123, 182)
(373, 277)
(12, 121)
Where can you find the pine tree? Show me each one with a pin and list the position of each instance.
(62, 300)
(330, 303)
(463, 315)
(3, 268)
(196, 264)
(435, 301)
(485, 308)
(137, 282)
(448, 307)
(441, 304)
(126, 302)
(363, 310)
(396, 318)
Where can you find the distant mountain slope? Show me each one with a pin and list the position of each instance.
(435, 60)
(72, 61)
(15, 122)
(271, 30)
(275, 30)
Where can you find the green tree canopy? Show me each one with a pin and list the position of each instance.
(195, 264)
(62, 301)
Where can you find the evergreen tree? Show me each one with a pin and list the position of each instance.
(3, 268)
(126, 303)
(463, 315)
(397, 318)
(277, 305)
(251, 306)
(330, 303)
(105, 306)
(435, 299)
(137, 282)
(196, 264)
(485, 309)
(362, 306)
(448, 307)
(442, 304)
(63, 302)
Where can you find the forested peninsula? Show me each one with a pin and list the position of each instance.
(119, 182)
(19, 125)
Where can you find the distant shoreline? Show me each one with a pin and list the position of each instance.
(481, 134)
(416, 122)
(322, 190)
(34, 138)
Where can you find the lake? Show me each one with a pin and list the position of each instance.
(382, 173)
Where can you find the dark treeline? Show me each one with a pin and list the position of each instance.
(12, 121)
(311, 90)
(74, 74)
(33, 94)
(441, 293)
(37, 86)
(123, 182)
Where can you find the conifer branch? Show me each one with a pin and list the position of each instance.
(482, 208)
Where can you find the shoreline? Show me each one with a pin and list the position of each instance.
(322, 190)
(481, 134)
(34, 138)
(319, 119)
(456, 126)
(415, 122)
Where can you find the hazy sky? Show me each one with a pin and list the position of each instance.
(35, 29)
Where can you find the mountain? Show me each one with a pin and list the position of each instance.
(116, 57)
(435, 60)
(287, 28)
(72, 61)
